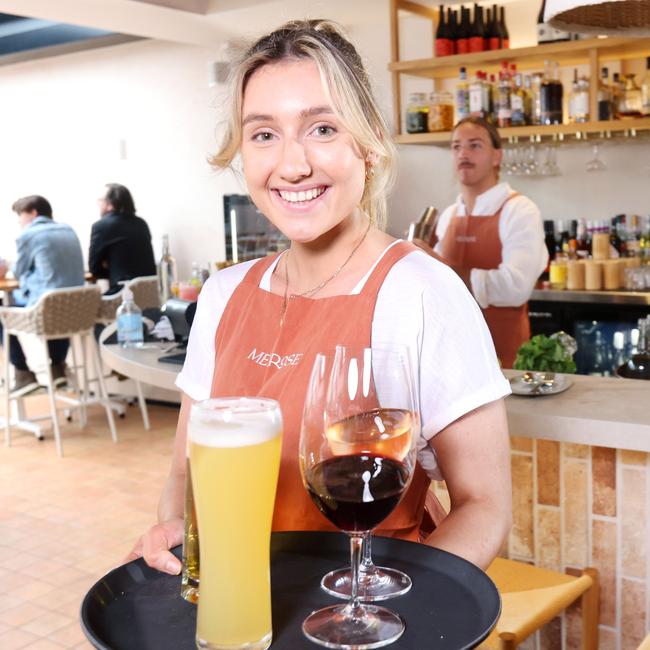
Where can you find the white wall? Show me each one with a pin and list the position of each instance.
(63, 120)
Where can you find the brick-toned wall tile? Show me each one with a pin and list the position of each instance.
(603, 555)
(548, 538)
(548, 472)
(573, 626)
(633, 621)
(575, 450)
(633, 522)
(603, 469)
(575, 512)
(521, 536)
(606, 639)
(633, 457)
(550, 636)
(519, 443)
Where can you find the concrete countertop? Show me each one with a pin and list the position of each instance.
(601, 411)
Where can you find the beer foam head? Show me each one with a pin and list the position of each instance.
(234, 421)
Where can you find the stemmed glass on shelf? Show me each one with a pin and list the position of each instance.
(357, 457)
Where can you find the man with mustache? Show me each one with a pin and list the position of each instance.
(492, 237)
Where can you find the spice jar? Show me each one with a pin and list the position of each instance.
(575, 275)
(417, 112)
(441, 111)
(593, 275)
(558, 274)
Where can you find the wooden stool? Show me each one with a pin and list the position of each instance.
(531, 597)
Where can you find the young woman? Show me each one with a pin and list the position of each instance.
(318, 162)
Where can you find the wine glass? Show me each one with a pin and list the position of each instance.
(357, 457)
(596, 164)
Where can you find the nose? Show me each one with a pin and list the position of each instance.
(294, 164)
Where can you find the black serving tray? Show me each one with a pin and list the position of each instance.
(452, 604)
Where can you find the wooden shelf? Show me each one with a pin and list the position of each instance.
(612, 128)
(527, 58)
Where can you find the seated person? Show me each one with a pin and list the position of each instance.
(48, 257)
(120, 242)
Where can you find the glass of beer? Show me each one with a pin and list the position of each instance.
(190, 572)
(234, 450)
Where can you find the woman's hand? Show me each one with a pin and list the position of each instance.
(154, 546)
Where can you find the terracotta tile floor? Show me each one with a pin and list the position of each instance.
(65, 522)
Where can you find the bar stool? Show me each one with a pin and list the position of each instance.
(59, 313)
(146, 295)
(531, 597)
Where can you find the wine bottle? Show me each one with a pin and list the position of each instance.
(494, 36)
(452, 30)
(167, 272)
(503, 29)
(477, 37)
(462, 39)
(442, 46)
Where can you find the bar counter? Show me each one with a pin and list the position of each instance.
(581, 497)
(622, 297)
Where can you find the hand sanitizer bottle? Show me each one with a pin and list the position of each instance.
(129, 321)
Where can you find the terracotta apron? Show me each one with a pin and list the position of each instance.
(472, 242)
(257, 357)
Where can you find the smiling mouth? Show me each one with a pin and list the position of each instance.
(303, 196)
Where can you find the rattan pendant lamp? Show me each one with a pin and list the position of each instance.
(610, 17)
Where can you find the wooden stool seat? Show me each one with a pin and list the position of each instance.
(532, 596)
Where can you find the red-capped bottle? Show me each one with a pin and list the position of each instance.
(443, 44)
(462, 40)
(452, 29)
(477, 37)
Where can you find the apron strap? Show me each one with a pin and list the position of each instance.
(385, 264)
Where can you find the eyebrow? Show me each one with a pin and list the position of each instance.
(470, 140)
(308, 112)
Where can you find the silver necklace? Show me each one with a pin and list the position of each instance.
(311, 292)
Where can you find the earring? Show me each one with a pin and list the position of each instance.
(370, 171)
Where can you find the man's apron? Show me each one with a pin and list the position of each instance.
(472, 242)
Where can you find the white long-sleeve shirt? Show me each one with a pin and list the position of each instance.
(523, 251)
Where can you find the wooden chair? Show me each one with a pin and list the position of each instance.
(531, 597)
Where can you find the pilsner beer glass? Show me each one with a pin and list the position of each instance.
(234, 447)
(190, 572)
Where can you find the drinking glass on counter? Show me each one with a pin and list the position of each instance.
(234, 451)
(357, 457)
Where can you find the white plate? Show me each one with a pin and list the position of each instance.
(520, 387)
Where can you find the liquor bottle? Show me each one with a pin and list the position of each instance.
(452, 29)
(477, 34)
(462, 96)
(645, 90)
(614, 235)
(617, 94)
(462, 39)
(503, 96)
(503, 29)
(479, 96)
(167, 272)
(443, 43)
(629, 104)
(490, 93)
(573, 239)
(582, 245)
(493, 31)
(536, 98)
(528, 99)
(549, 240)
(605, 111)
(551, 97)
(517, 102)
(579, 99)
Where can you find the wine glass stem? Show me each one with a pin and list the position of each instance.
(356, 544)
(366, 562)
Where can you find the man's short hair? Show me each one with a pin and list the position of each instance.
(492, 130)
(33, 202)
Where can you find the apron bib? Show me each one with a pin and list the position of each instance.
(256, 357)
(472, 242)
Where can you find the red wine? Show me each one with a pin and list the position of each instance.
(359, 491)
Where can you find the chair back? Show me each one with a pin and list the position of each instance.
(146, 295)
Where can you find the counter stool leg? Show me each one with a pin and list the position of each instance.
(77, 388)
(143, 405)
(50, 394)
(590, 614)
(5, 343)
(507, 641)
(97, 363)
(86, 384)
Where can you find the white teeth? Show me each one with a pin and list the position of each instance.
(307, 195)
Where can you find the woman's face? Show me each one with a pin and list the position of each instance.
(303, 169)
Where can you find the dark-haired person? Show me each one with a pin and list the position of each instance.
(48, 257)
(120, 242)
(492, 237)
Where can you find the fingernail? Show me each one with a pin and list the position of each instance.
(172, 567)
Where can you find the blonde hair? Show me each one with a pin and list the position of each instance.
(347, 85)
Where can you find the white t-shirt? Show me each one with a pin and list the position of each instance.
(523, 251)
(422, 304)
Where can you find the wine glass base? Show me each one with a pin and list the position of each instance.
(379, 583)
(370, 627)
